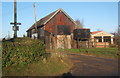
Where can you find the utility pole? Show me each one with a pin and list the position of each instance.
(35, 20)
(15, 27)
(8, 35)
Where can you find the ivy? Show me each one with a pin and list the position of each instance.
(21, 51)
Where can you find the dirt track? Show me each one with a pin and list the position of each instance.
(93, 66)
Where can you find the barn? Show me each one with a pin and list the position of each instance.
(55, 29)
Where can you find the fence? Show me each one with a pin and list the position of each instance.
(67, 42)
(93, 42)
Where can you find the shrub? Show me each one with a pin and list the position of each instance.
(21, 51)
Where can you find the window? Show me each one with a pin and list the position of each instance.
(107, 39)
(99, 38)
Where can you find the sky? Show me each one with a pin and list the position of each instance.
(95, 15)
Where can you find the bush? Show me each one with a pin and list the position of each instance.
(21, 51)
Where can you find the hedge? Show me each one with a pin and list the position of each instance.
(21, 51)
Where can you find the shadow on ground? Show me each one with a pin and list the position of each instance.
(67, 74)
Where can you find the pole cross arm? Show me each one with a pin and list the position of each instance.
(15, 23)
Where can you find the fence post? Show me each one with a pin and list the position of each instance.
(88, 42)
(105, 42)
(95, 43)
(78, 43)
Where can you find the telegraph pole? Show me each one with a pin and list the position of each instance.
(15, 27)
(8, 35)
(35, 20)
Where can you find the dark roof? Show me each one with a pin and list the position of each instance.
(44, 20)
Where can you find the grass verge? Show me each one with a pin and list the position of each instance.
(28, 57)
(101, 52)
(54, 66)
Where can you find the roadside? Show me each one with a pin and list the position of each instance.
(85, 65)
(52, 66)
(28, 57)
(110, 53)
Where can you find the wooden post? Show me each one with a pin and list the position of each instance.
(35, 20)
(95, 43)
(15, 27)
(77, 43)
(105, 43)
(15, 18)
(88, 42)
(50, 41)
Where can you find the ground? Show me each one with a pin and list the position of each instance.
(21, 60)
(88, 65)
(28, 57)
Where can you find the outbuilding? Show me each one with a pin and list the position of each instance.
(56, 29)
(101, 38)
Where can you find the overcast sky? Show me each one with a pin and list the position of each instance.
(95, 15)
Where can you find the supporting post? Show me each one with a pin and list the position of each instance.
(15, 18)
(88, 43)
(35, 20)
(111, 40)
(15, 27)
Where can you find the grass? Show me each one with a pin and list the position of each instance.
(53, 66)
(101, 52)
(28, 57)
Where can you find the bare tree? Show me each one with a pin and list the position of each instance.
(79, 24)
